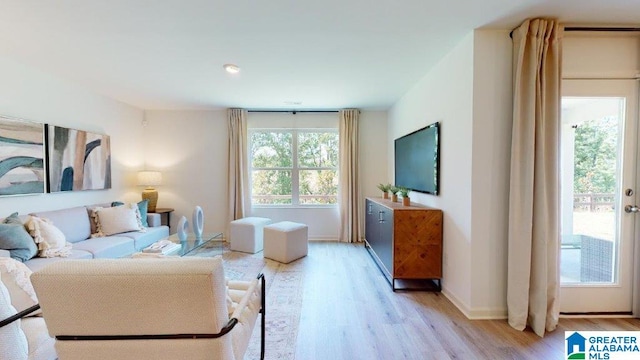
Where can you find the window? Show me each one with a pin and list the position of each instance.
(294, 166)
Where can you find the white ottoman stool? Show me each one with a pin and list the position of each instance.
(285, 241)
(246, 234)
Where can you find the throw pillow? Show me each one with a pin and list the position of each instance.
(15, 238)
(14, 342)
(116, 220)
(51, 241)
(16, 277)
(142, 207)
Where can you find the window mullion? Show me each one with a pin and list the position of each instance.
(295, 178)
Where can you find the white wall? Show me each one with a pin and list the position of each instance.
(491, 156)
(445, 94)
(469, 92)
(30, 94)
(190, 148)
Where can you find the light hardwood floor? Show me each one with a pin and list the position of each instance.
(350, 312)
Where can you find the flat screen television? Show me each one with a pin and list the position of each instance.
(417, 160)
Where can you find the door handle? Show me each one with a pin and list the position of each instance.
(380, 217)
(631, 209)
(369, 209)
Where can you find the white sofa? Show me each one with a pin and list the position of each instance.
(75, 224)
(160, 308)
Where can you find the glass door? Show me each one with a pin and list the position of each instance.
(598, 149)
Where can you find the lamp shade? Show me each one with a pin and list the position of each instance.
(149, 178)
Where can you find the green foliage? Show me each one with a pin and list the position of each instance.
(318, 149)
(394, 189)
(403, 191)
(271, 149)
(595, 156)
(274, 171)
(384, 187)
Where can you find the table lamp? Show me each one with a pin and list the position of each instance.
(150, 179)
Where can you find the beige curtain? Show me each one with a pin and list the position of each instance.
(238, 167)
(534, 203)
(349, 199)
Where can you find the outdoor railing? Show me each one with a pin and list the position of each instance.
(286, 199)
(593, 202)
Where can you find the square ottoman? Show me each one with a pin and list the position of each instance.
(285, 241)
(246, 234)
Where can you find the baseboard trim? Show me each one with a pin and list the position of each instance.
(323, 238)
(488, 314)
(456, 302)
(475, 314)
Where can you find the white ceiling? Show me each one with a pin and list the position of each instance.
(327, 54)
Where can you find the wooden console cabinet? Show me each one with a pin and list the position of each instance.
(405, 241)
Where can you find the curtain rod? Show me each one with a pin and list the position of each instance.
(594, 28)
(293, 111)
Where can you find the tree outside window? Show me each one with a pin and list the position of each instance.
(294, 167)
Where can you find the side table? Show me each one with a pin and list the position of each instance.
(163, 212)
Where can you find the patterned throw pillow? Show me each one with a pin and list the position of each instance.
(51, 241)
(116, 220)
(15, 238)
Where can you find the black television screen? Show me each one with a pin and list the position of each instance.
(417, 162)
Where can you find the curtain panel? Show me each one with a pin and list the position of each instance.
(349, 199)
(237, 167)
(533, 281)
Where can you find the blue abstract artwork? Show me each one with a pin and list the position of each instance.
(78, 160)
(21, 157)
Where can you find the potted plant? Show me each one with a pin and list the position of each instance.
(404, 192)
(394, 193)
(385, 190)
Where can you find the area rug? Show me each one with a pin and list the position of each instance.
(284, 284)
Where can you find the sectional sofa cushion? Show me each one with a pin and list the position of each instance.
(15, 238)
(73, 222)
(51, 241)
(38, 263)
(144, 239)
(107, 247)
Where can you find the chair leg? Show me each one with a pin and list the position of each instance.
(263, 312)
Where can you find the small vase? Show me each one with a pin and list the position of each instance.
(394, 198)
(406, 201)
(183, 228)
(385, 195)
(198, 222)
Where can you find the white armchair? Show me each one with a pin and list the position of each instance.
(161, 308)
(22, 335)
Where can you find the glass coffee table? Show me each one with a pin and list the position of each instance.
(211, 241)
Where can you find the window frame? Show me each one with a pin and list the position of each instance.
(295, 167)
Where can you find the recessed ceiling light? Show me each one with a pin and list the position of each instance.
(231, 68)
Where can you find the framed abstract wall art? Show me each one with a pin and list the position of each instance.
(77, 160)
(22, 154)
